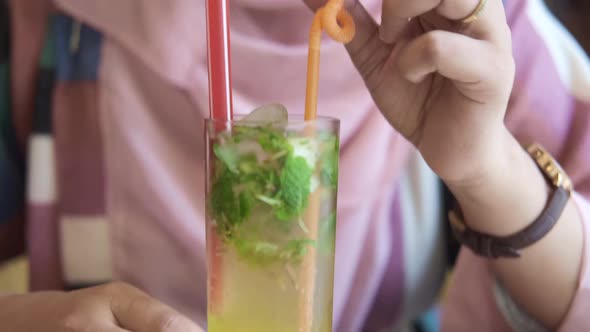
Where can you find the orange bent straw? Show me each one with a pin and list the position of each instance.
(340, 26)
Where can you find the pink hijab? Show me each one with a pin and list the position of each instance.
(153, 98)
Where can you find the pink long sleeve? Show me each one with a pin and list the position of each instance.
(550, 105)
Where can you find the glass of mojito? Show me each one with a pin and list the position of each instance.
(271, 222)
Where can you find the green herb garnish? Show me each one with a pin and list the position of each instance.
(329, 167)
(227, 155)
(259, 193)
(263, 252)
(328, 234)
(229, 208)
(295, 182)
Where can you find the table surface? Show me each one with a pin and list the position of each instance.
(13, 276)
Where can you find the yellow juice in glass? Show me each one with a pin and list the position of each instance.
(271, 265)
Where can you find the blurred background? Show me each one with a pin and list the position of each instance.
(574, 14)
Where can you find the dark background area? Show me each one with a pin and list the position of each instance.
(575, 15)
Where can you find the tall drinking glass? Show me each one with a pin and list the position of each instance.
(271, 223)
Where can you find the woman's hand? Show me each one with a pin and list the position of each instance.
(115, 307)
(443, 84)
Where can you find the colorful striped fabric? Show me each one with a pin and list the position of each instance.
(11, 167)
(65, 192)
(41, 187)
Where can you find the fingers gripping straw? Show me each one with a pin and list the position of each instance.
(340, 26)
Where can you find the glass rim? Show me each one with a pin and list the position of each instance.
(293, 119)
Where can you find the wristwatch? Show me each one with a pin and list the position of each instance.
(510, 246)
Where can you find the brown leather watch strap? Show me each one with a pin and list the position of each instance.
(509, 246)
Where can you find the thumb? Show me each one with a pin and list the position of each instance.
(138, 312)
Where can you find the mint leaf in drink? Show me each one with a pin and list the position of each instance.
(329, 166)
(260, 188)
(224, 205)
(295, 250)
(272, 141)
(305, 148)
(228, 155)
(256, 252)
(228, 206)
(269, 200)
(247, 202)
(264, 252)
(241, 133)
(248, 165)
(327, 233)
(295, 182)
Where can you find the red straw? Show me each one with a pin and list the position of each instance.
(220, 108)
(220, 95)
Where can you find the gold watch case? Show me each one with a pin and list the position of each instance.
(550, 167)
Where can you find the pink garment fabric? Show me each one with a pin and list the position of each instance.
(153, 98)
(42, 216)
(152, 113)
